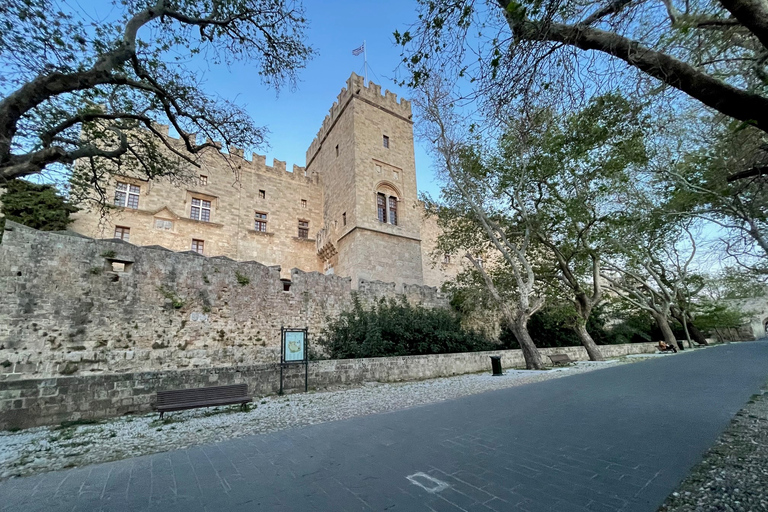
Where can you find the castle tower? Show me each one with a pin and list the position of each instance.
(364, 156)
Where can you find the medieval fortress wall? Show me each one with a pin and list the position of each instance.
(73, 305)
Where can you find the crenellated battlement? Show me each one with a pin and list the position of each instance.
(356, 88)
(237, 158)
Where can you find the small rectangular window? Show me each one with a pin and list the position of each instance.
(260, 222)
(303, 203)
(303, 229)
(337, 150)
(393, 210)
(163, 224)
(203, 179)
(446, 258)
(201, 210)
(344, 219)
(385, 141)
(127, 195)
(262, 194)
(198, 245)
(381, 205)
(123, 233)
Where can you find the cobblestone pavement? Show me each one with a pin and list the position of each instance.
(584, 442)
(43, 449)
(734, 473)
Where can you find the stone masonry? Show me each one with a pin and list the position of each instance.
(73, 305)
(325, 217)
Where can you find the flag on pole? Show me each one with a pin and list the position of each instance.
(360, 49)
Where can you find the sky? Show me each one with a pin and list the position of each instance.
(293, 118)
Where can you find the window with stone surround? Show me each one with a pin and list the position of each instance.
(303, 229)
(198, 245)
(381, 206)
(123, 233)
(393, 210)
(303, 203)
(260, 223)
(164, 224)
(385, 141)
(262, 194)
(200, 210)
(127, 195)
(386, 205)
(203, 179)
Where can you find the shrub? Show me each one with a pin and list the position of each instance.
(396, 328)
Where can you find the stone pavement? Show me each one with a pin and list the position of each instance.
(604, 440)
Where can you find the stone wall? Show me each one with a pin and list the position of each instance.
(71, 305)
(31, 402)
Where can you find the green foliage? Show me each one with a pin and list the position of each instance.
(720, 315)
(551, 327)
(176, 301)
(37, 206)
(396, 328)
(242, 279)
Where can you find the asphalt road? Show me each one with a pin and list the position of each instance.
(620, 438)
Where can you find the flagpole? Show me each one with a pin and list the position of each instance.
(365, 62)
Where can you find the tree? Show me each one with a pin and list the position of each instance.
(712, 51)
(93, 94)
(37, 206)
(473, 223)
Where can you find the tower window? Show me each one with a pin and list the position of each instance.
(260, 222)
(303, 203)
(122, 233)
(201, 210)
(393, 210)
(203, 179)
(337, 150)
(198, 245)
(381, 204)
(262, 194)
(303, 229)
(385, 141)
(344, 219)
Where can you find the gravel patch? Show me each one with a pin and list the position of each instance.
(733, 476)
(41, 449)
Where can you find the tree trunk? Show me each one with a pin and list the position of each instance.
(696, 334)
(588, 342)
(666, 330)
(519, 328)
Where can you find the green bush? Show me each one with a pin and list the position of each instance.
(396, 328)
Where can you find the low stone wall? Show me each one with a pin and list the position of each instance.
(32, 402)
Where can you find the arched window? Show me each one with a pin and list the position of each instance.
(386, 205)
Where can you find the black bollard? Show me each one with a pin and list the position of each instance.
(496, 365)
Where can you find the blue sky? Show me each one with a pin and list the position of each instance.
(294, 117)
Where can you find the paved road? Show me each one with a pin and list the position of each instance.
(585, 442)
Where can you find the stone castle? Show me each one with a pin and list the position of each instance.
(352, 211)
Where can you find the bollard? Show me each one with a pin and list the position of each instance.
(496, 365)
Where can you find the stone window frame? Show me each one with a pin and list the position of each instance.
(387, 204)
(123, 233)
(201, 211)
(260, 220)
(198, 246)
(262, 194)
(385, 141)
(127, 195)
(303, 203)
(303, 229)
(203, 179)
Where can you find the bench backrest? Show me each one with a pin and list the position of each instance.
(183, 396)
(560, 358)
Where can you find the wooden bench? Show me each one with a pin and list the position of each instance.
(180, 399)
(558, 359)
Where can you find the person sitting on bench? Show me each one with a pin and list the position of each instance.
(663, 347)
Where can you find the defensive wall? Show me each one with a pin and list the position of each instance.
(31, 402)
(71, 305)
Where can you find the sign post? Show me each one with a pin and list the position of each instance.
(294, 345)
